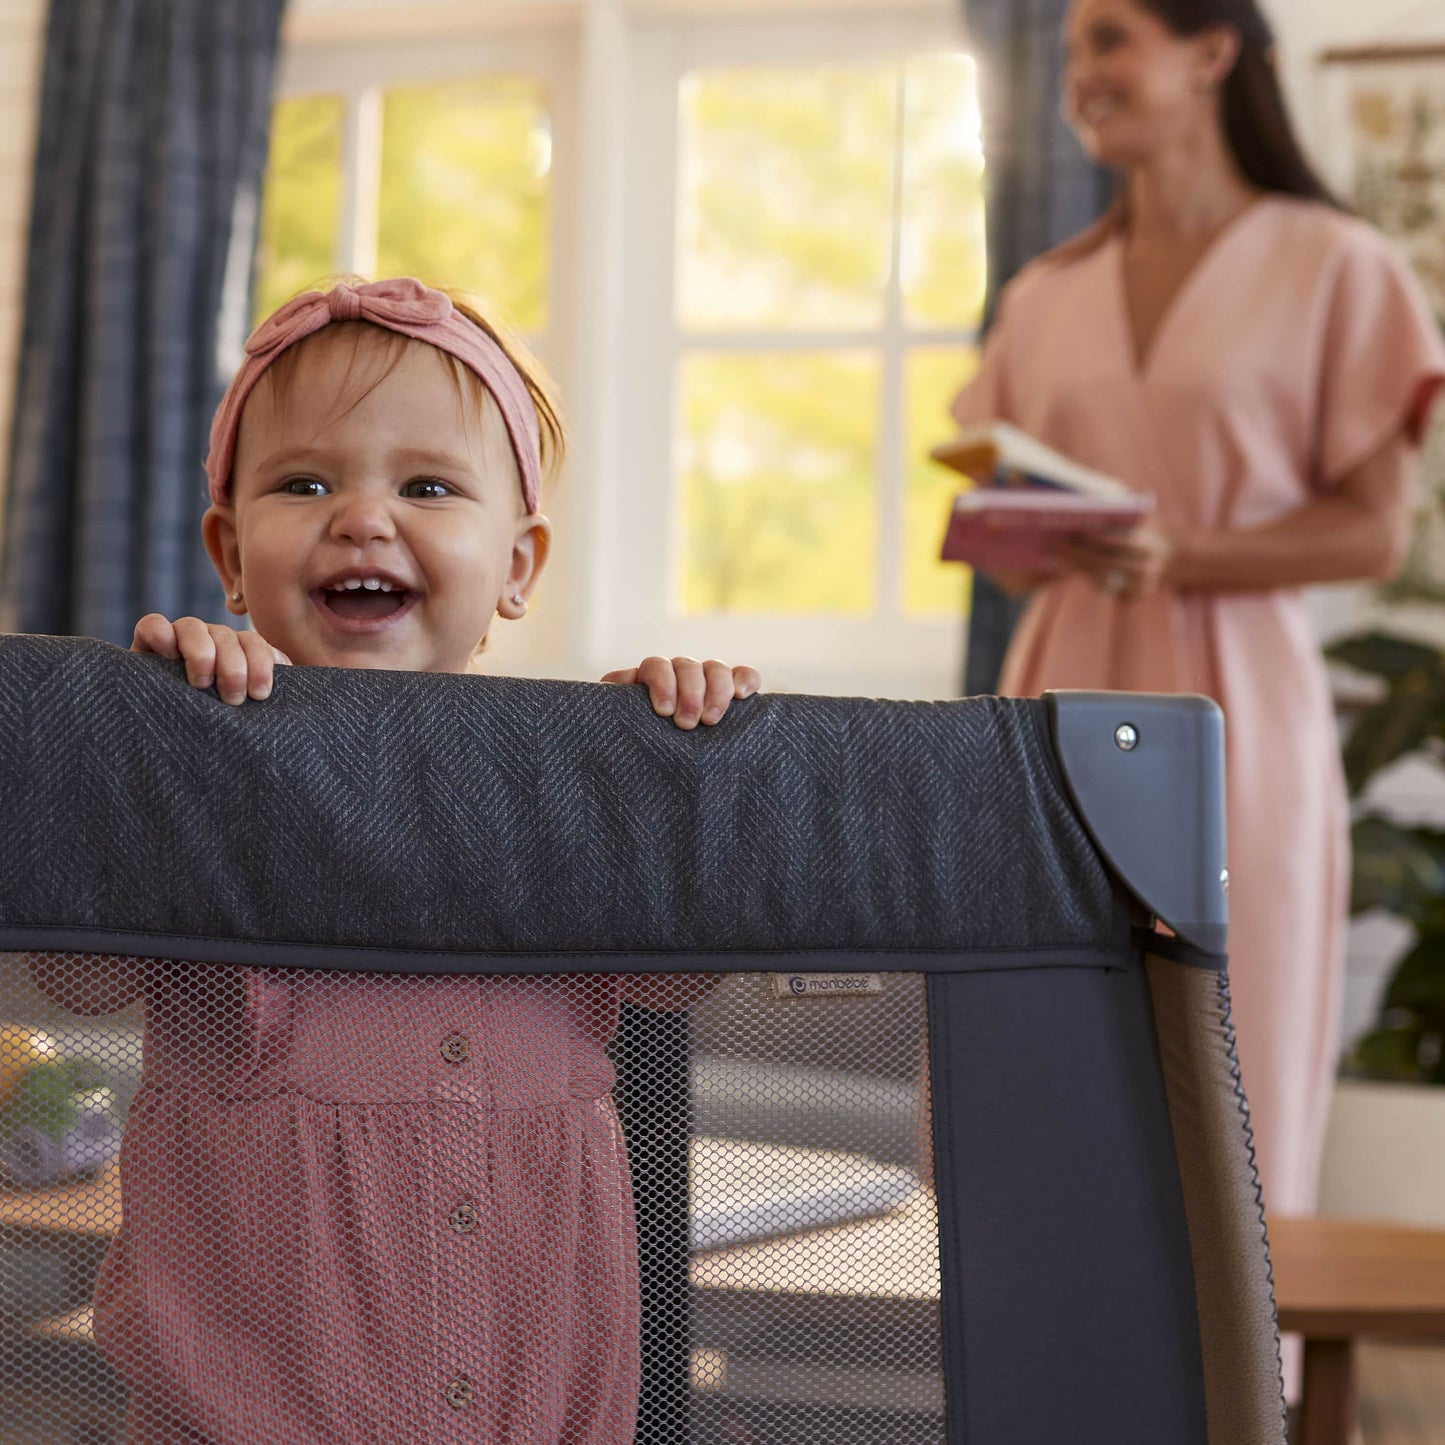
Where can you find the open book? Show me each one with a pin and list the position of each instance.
(1028, 496)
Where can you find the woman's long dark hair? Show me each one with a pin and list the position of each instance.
(1256, 119)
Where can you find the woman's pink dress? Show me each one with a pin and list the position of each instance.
(366, 1209)
(1298, 347)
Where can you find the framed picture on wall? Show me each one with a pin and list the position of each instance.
(1384, 114)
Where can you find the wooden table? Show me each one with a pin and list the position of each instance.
(1336, 1280)
(89, 1207)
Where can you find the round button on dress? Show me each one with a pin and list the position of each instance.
(460, 1393)
(455, 1048)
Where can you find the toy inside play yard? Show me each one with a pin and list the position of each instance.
(57, 1116)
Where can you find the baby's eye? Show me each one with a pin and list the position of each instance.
(302, 487)
(426, 489)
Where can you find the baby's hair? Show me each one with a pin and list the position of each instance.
(390, 347)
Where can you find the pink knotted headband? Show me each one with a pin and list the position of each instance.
(410, 309)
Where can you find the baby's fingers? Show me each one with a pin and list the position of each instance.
(155, 633)
(234, 661)
(197, 648)
(746, 681)
(719, 690)
(692, 698)
(657, 674)
(261, 661)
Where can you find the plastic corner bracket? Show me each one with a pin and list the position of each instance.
(1146, 775)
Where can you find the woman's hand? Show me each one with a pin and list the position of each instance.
(690, 692)
(1016, 584)
(241, 664)
(1130, 564)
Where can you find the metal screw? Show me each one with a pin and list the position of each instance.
(1224, 880)
(1126, 736)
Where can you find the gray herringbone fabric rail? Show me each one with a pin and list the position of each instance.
(532, 817)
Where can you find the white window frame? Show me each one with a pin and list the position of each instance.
(634, 566)
(611, 68)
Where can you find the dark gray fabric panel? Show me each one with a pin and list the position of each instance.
(528, 816)
(153, 126)
(1069, 1310)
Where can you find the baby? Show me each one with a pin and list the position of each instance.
(358, 1207)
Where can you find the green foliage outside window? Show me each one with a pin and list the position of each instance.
(301, 207)
(942, 259)
(931, 588)
(778, 482)
(786, 196)
(794, 216)
(464, 193)
(465, 173)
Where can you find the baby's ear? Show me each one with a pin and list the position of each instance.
(531, 546)
(218, 532)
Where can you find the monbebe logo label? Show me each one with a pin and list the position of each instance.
(826, 985)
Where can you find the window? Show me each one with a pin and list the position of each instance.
(807, 294)
(416, 164)
(749, 249)
(839, 205)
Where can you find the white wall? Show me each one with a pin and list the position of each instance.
(1308, 28)
(21, 26)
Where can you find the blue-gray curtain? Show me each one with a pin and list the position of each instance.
(1041, 190)
(152, 139)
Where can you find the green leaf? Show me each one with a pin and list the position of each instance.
(1400, 723)
(1399, 869)
(1390, 1054)
(1418, 984)
(1383, 654)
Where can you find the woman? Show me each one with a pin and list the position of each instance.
(1232, 342)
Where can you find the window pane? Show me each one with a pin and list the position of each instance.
(465, 173)
(302, 194)
(776, 462)
(932, 375)
(942, 258)
(785, 197)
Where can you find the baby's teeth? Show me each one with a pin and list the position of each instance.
(372, 584)
(386, 586)
(352, 584)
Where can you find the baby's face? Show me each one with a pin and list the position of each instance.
(384, 531)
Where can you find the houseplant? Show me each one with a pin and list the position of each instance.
(1399, 868)
(1385, 1151)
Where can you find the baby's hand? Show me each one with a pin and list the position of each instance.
(690, 692)
(239, 663)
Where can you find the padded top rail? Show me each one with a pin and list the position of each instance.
(538, 825)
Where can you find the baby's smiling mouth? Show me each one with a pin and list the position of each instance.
(360, 598)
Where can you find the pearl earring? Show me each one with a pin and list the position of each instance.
(235, 597)
(518, 600)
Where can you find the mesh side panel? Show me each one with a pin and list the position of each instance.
(361, 1207)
